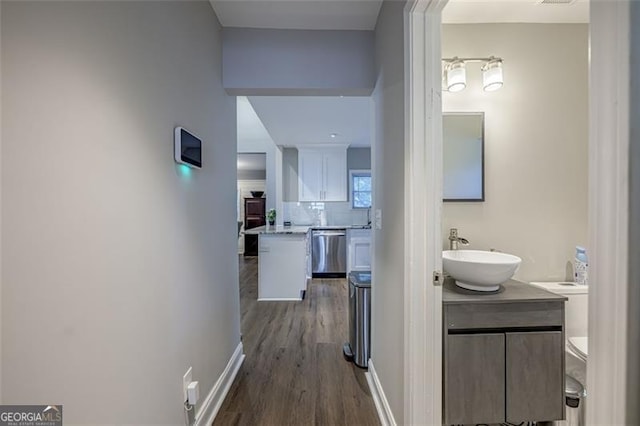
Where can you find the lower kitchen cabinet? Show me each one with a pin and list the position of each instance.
(359, 252)
(282, 266)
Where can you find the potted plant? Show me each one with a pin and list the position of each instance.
(271, 216)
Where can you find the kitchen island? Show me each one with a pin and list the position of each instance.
(283, 257)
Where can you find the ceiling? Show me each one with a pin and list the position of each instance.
(298, 14)
(304, 120)
(252, 162)
(362, 14)
(514, 11)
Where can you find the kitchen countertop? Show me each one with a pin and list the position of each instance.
(298, 229)
(267, 229)
(328, 227)
(510, 291)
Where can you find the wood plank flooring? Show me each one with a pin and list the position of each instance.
(294, 372)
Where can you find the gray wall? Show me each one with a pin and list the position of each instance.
(633, 336)
(388, 195)
(120, 271)
(536, 141)
(297, 62)
(1, 116)
(357, 159)
(252, 174)
(290, 174)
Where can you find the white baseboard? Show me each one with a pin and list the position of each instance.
(379, 398)
(211, 405)
(279, 299)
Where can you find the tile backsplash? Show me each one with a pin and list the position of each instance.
(338, 214)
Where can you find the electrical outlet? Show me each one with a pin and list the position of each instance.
(186, 379)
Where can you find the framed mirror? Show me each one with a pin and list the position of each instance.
(463, 151)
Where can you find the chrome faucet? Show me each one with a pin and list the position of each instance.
(454, 239)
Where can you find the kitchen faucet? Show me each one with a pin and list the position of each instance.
(454, 239)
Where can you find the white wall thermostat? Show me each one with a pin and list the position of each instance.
(188, 148)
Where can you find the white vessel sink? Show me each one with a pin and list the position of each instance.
(479, 270)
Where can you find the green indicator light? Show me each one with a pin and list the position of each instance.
(184, 170)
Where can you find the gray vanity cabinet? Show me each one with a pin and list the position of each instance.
(503, 356)
(534, 376)
(475, 378)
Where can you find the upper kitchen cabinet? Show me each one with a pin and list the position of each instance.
(322, 174)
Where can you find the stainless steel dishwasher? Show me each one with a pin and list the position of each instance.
(329, 253)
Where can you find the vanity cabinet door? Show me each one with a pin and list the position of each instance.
(535, 376)
(474, 382)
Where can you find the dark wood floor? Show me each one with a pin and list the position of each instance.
(294, 372)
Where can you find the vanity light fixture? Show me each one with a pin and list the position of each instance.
(492, 78)
(455, 73)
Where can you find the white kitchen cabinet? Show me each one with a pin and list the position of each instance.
(322, 174)
(282, 266)
(359, 253)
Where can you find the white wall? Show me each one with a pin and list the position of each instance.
(536, 138)
(388, 195)
(298, 62)
(254, 138)
(120, 271)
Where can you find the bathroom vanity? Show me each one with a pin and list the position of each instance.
(503, 354)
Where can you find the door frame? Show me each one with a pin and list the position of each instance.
(610, 105)
(610, 163)
(423, 207)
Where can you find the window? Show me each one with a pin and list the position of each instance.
(360, 182)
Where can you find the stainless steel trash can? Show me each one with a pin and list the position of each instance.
(574, 394)
(359, 346)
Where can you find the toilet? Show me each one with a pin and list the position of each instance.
(576, 342)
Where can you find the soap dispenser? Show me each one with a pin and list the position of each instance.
(581, 266)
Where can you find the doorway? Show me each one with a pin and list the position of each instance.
(609, 200)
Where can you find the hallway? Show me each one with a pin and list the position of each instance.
(294, 372)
